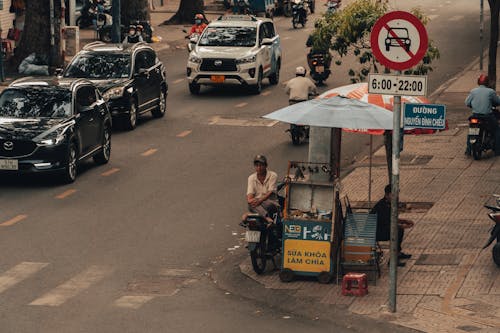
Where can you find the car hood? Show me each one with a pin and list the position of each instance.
(225, 52)
(104, 85)
(27, 129)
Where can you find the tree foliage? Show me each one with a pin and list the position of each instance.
(347, 32)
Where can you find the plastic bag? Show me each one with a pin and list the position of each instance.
(31, 65)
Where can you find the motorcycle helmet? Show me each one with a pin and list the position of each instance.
(300, 71)
(483, 80)
(198, 18)
(132, 29)
(139, 28)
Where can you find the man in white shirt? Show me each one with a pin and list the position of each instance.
(300, 87)
(261, 189)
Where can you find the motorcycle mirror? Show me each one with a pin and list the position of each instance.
(193, 39)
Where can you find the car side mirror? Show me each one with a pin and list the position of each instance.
(141, 72)
(266, 41)
(58, 71)
(193, 39)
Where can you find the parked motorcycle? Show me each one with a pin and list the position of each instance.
(299, 14)
(243, 7)
(494, 215)
(319, 66)
(332, 6)
(312, 5)
(263, 238)
(298, 133)
(105, 32)
(480, 138)
(94, 14)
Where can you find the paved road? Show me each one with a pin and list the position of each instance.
(130, 245)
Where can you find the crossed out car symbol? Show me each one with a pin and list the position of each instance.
(397, 37)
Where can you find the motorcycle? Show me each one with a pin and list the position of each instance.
(95, 14)
(480, 138)
(263, 238)
(332, 6)
(105, 32)
(298, 133)
(494, 215)
(312, 5)
(243, 7)
(299, 14)
(193, 39)
(319, 66)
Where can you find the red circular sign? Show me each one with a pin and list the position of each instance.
(399, 40)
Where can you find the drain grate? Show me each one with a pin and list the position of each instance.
(438, 259)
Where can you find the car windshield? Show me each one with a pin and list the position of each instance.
(229, 36)
(47, 102)
(99, 66)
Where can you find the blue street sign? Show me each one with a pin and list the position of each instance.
(425, 116)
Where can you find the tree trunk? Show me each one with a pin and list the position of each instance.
(36, 35)
(492, 55)
(134, 10)
(186, 12)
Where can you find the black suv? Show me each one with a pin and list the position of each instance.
(50, 125)
(130, 77)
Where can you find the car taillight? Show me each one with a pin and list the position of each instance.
(474, 121)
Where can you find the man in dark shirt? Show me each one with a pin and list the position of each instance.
(383, 211)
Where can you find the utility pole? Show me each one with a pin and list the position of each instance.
(481, 28)
(116, 29)
(71, 12)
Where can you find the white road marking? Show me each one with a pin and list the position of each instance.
(73, 287)
(456, 18)
(14, 220)
(18, 273)
(132, 302)
(241, 105)
(257, 122)
(178, 81)
(265, 93)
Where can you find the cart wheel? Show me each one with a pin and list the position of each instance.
(324, 277)
(286, 275)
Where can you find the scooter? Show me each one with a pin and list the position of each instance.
(100, 15)
(494, 215)
(193, 39)
(480, 139)
(319, 67)
(299, 14)
(263, 238)
(298, 133)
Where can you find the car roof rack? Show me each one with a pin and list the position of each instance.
(93, 44)
(237, 18)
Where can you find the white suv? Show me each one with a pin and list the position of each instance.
(235, 50)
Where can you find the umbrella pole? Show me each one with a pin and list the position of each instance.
(370, 174)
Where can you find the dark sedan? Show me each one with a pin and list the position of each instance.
(52, 125)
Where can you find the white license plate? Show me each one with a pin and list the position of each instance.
(252, 236)
(8, 165)
(320, 69)
(474, 131)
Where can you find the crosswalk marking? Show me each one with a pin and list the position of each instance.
(133, 302)
(65, 194)
(13, 220)
(73, 287)
(18, 273)
(183, 134)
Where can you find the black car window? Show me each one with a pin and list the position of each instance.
(30, 102)
(269, 28)
(144, 59)
(262, 33)
(85, 97)
(99, 65)
(228, 36)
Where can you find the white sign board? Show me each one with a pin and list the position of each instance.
(397, 85)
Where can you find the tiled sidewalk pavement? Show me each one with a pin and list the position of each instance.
(449, 285)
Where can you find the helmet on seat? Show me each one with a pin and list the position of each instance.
(483, 80)
(300, 71)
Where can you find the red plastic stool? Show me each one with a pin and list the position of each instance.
(354, 284)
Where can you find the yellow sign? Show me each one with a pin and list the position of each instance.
(307, 256)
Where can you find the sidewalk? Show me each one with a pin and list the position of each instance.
(449, 285)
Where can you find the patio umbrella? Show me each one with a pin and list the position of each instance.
(337, 111)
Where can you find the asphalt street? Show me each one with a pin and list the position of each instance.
(130, 246)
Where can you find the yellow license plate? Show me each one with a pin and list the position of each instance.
(217, 78)
(320, 69)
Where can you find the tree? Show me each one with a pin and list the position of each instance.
(187, 10)
(492, 54)
(132, 10)
(36, 35)
(347, 32)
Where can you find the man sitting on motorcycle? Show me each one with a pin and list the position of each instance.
(482, 99)
(199, 25)
(300, 87)
(132, 37)
(261, 190)
(317, 47)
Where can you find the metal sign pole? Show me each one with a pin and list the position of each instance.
(481, 26)
(393, 279)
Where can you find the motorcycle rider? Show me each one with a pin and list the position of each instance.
(199, 25)
(132, 37)
(317, 48)
(261, 190)
(300, 87)
(481, 99)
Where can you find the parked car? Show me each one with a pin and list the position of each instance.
(50, 125)
(235, 50)
(131, 78)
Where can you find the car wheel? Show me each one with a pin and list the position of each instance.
(131, 121)
(105, 36)
(105, 153)
(194, 88)
(257, 88)
(70, 170)
(162, 106)
(275, 77)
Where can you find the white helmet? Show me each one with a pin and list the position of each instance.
(300, 71)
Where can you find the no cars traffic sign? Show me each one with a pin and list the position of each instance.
(399, 40)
